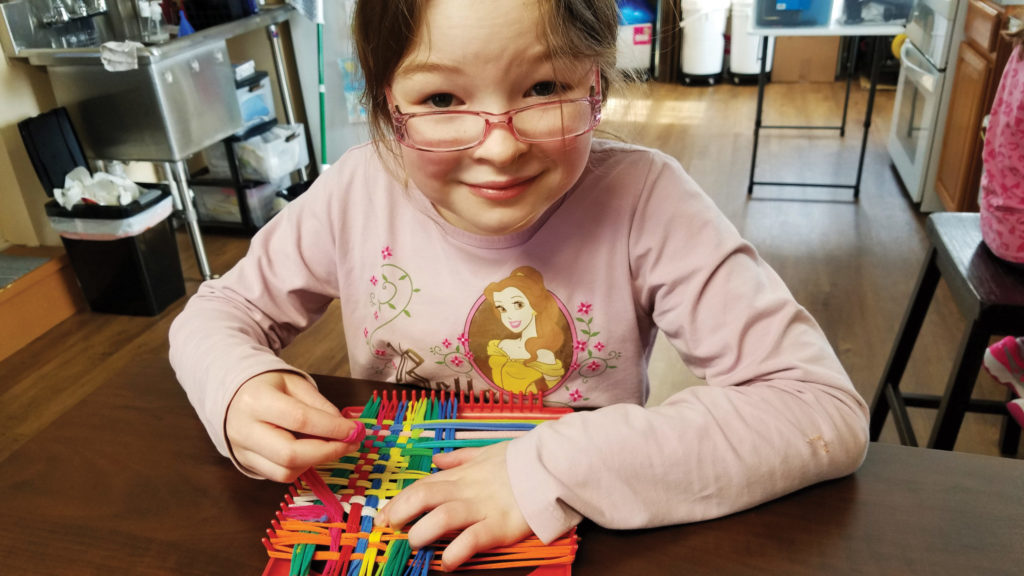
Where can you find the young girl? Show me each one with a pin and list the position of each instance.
(1002, 207)
(1002, 182)
(485, 161)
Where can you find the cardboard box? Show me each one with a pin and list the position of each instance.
(805, 59)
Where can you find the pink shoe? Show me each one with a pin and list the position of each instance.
(1004, 360)
(1016, 409)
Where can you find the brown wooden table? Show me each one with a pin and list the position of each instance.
(127, 482)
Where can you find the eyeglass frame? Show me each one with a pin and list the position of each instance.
(399, 119)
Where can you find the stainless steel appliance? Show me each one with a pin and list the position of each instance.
(179, 99)
(174, 104)
(934, 29)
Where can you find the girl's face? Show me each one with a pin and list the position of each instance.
(488, 55)
(514, 308)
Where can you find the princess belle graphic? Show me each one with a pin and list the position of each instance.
(527, 335)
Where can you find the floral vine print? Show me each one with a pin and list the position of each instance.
(598, 357)
(455, 355)
(391, 294)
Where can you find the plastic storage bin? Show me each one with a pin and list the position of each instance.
(270, 155)
(745, 46)
(255, 100)
(789, 13)
(125, 257)
(273, 154)
(635, 41)
(702, 53)
(220, 204)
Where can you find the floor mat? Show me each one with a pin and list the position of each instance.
(14, 267)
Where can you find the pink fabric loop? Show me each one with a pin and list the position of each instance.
(357, 434)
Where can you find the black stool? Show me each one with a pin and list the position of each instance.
(990, 294)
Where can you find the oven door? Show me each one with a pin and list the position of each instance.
(915, 113)
(930, 29)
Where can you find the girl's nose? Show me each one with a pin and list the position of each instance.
(500, 147)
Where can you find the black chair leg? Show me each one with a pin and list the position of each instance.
(959, 387)
(927, 281)
(1009, 434)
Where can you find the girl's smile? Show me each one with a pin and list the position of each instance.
(501, 190)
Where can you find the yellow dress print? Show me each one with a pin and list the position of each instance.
(519, 376)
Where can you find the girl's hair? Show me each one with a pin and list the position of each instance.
(530, 282)
(384, 32)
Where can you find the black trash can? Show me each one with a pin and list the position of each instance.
(135, 270)
(125, 257)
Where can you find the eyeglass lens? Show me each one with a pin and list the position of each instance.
(554, 121)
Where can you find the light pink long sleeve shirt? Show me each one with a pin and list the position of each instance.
(635, 246)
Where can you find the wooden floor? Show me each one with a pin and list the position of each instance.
(852, 264)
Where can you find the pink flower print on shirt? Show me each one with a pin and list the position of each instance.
(457, 358)
(391, 300)
(366, 332)
(597, 360)
(575, 395)
(463, 340)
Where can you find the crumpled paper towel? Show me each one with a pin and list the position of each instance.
(100, 188)
(120, 56)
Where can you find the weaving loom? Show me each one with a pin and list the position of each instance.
(325, 525)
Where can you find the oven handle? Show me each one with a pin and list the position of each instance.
(921, 78)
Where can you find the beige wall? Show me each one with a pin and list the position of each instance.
(25, 91)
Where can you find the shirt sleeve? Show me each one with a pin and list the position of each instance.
(235, 326)
(778, 412)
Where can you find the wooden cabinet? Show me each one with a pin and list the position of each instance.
(980, 61)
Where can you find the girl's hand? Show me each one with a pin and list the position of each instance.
(278, 425)
(471, 493)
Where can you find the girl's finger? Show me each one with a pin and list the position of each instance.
(446, 460)
(415, 500)
(291, 414)
(302, 390)
(259, 465)
(475, 538)
(282, 449)
(453, 515)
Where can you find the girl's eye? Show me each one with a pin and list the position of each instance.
(549, 88)
(441, 100)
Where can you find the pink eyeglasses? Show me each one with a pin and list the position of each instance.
(453, 130)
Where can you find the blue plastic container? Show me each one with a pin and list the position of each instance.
(791, 13)
(635, 12)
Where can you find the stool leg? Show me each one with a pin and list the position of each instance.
(910, 327)
(1009, 434)
(957, 396)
